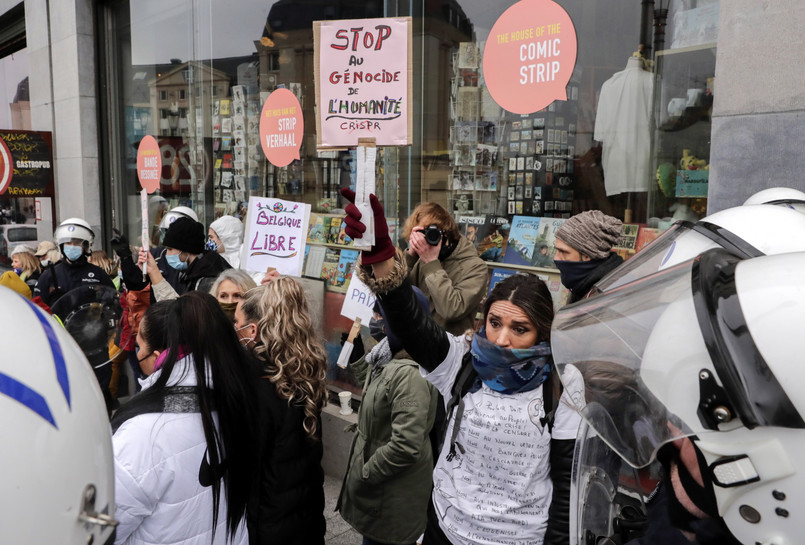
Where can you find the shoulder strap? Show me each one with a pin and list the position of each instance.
(549, 401)
(464, 381)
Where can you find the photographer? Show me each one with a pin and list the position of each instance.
(445, 266)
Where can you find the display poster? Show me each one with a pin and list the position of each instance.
(529, 56)
(364, 80)
(281, 127)
(359, 301)
(276, 231)
(149, 163)
(26, 164)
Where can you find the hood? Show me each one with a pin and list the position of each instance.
(230, 230)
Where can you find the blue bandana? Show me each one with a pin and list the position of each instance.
(510, 370)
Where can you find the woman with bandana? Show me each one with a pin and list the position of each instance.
(503, 474)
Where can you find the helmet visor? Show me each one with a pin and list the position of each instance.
(606, 338)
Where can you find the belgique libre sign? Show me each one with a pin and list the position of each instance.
(276, 232)
(529, 56)
(363, 81)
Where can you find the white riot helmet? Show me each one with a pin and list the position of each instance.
(74, 228)
(58, 469)
(176, 213)
(781, 196)
(744, 231)
(708, 349)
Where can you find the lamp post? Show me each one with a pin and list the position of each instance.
(660, 22)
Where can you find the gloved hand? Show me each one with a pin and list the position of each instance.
(383, 248)
(120, 244)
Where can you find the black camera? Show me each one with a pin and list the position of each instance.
(433, 235)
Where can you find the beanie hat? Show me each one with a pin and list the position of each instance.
(186, 235)
(592, 233)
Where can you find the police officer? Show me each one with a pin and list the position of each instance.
(74, 237)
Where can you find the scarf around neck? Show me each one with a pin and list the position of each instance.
(510, 370)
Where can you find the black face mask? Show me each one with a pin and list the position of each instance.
(573, 273)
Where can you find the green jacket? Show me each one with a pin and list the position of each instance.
(385, 492)
(454, 287)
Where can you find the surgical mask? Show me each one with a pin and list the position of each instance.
(45, 262)
(73, 253)
(573, 273)
(18, 270)
(247, 339)
(211, 245)
(174, 261)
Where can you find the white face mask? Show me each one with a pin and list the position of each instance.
(247, 339)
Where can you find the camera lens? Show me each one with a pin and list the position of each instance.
(433, 235)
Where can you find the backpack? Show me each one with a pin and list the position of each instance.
(465, 379)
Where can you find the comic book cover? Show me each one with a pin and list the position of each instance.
(343, 238)
(345, 264)
(318, 228)
(329, 268)
(522, 240)
(545, 247)
(497, 276)
(645, 236)
(626, 244)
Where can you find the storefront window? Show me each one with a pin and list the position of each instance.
(196, 74)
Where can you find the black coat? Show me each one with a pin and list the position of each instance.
(287, 503)
(65, 276)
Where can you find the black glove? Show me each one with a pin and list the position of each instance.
(120, 244)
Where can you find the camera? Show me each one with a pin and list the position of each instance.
(433, 235)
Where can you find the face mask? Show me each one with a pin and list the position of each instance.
(211, 245)
(73, 253)
(573, 273)
(18, 270)
(229, 309)
(247, 339)
(45, 262)
(510, 370)
(174, 261)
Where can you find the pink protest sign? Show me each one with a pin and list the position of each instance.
(281, 127)
(363, 81)
(149, 163)
(530, 55)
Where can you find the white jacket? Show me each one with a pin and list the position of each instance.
(158, 496)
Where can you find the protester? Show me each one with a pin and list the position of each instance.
(447, 269)
(500, 478)
(226, 237)
(184, 252)
(386, 488)
(288, 499)
(26, 265)
(229, 288)
(184, 454)
(110, 266)
(584, 251)
(48, 254)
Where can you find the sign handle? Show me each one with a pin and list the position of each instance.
(346, 350)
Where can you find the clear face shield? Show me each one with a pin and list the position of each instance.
(668, 356)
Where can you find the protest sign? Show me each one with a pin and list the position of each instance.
(281, 127)
(275, 236)
(149, 163)
(529, 56)
(363, 73)
(359, 301)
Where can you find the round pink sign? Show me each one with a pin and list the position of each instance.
(530, 55)
(6, 167)
(149, 163)
(281, 127)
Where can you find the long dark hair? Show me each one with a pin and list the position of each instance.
(196, 325)
(154, 323)
(530, 294)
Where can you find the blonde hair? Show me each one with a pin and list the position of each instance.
(109, 265)
(29, 262)
(295, 360)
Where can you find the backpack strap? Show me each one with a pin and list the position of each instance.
(464, 381)
(549, 402)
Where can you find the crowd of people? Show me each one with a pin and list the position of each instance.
(466, 430)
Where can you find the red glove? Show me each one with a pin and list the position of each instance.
(383, 248)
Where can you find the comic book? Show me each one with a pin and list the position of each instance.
(645, 236)
(345, 264)
(522, 240)
(329, 267)
(487, 233)
(625, 246)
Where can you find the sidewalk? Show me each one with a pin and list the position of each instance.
(338, 531)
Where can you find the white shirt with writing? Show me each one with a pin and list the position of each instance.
(498, 490)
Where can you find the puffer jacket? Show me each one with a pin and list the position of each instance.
(230, 230)
(454, 287)
(157, 491)
(388, 482)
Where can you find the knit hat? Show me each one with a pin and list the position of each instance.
(22, 248)
(592, 233)
(44, 247)
(186, 235)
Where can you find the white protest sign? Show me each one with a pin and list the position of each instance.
(276, 231)
(359, 301)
